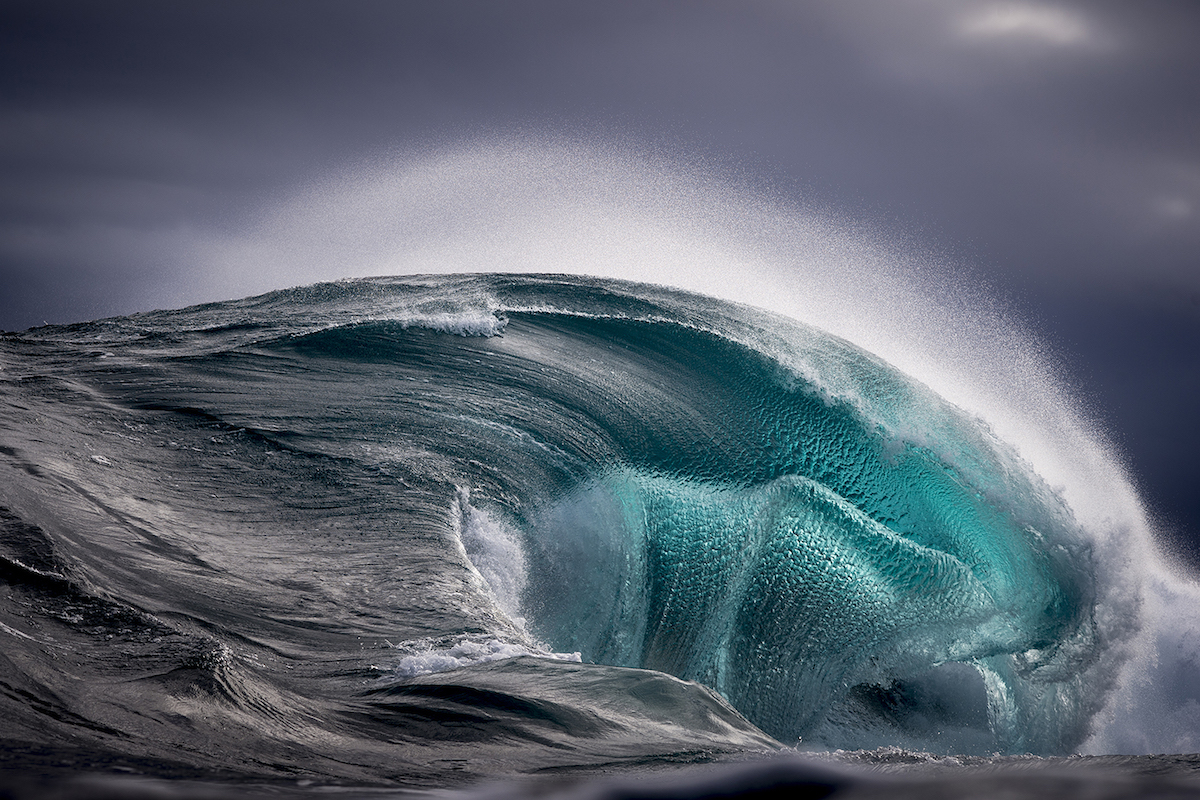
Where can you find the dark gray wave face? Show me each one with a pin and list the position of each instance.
(428, 529)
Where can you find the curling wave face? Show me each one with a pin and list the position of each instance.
(506, 474)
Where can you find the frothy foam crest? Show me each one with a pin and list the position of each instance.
(462, 324)
(494, 551)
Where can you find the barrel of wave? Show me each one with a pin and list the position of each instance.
(793, 604)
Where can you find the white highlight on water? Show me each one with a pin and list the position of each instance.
(558, 206)
(425, 656)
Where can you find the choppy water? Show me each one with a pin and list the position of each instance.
(426, 531)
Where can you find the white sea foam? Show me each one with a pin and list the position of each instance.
(559, 206)
(467, 323)
(427, 656)
(494, 551)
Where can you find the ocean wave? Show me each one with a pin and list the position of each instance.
(602, 520)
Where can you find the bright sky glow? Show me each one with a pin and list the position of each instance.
(1025, 21)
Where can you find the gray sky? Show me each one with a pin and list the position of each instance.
(1053, 148)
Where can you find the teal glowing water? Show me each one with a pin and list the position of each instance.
(784, 546)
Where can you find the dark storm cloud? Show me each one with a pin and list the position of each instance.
(1053, 145)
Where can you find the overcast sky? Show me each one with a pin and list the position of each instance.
(1051, 147)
